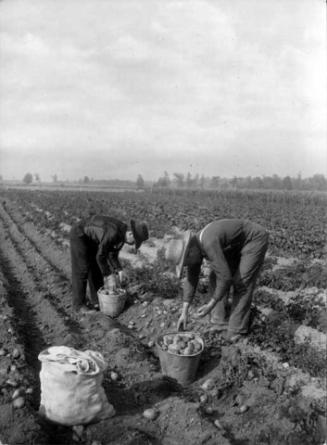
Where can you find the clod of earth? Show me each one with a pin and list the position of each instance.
(203, 398)
(16, 353)
(208, 410)
(242, 409)
(218, 424)
(78, 430)
(12, 382)
(208, 385)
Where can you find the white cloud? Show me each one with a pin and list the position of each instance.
(162, 83)
(129, 48)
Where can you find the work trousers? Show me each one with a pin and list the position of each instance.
(236, 318)
(85, 268)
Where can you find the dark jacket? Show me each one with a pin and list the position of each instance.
(221, 243)
(108, 235)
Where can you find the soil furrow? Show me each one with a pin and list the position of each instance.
(37, 323)
(27, 230)
(40, 244)
(46, 317)
(51, 285)
(28, 332)
(18, 333)
(53, 249)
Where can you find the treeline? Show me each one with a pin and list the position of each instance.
(275, 182)
(317, 182)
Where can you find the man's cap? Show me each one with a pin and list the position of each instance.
(140, 232)
(176, 251)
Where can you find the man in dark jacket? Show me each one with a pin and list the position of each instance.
(235, 250)
(95, 245)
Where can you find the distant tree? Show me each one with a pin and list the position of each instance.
(37, 177)
(202, 181)
(272, 182)
(140, 182)
(179, 179)
(196, 180)
(318, 182)
(86, 180)
(55, 178)
(189, 180)
(287, 183)
(164, 181)
(247, 182)
(298, 182)
(215, 181)
(234, 181)
(28, 178)
(257, 182)
(167, 179)
(277, 182)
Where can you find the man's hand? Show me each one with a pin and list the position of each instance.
(182, 322)
(183, 319)
(122, 278)
(109, 282)
(205, 309)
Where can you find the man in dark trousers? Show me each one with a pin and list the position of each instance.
(95, 245)
(235, 250)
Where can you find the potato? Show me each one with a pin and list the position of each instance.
(167, 340)
(181, 344)
(173, 349)
(178, 338)
(191, 346)
(189, 350)
(197, 345)
(19, 402)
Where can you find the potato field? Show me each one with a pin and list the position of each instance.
(269, 388)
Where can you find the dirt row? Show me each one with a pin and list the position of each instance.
(35, 294)
(38, 297)
(59, 257)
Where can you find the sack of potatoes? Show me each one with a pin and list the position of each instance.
(182, 343)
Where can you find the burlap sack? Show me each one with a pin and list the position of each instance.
(71, 390)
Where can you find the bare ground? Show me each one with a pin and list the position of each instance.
(35, 301)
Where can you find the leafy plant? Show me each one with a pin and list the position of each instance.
(153, 278)
(277, 333)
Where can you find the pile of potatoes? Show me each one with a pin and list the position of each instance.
(181, 344)
(116, 291)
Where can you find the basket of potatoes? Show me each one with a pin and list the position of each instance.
(179, 355)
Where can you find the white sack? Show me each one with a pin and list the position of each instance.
(71, 391)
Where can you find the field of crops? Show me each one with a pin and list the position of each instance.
(277, 373)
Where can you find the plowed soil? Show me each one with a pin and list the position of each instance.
(283, 404)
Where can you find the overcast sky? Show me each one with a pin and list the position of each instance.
(116, 88)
